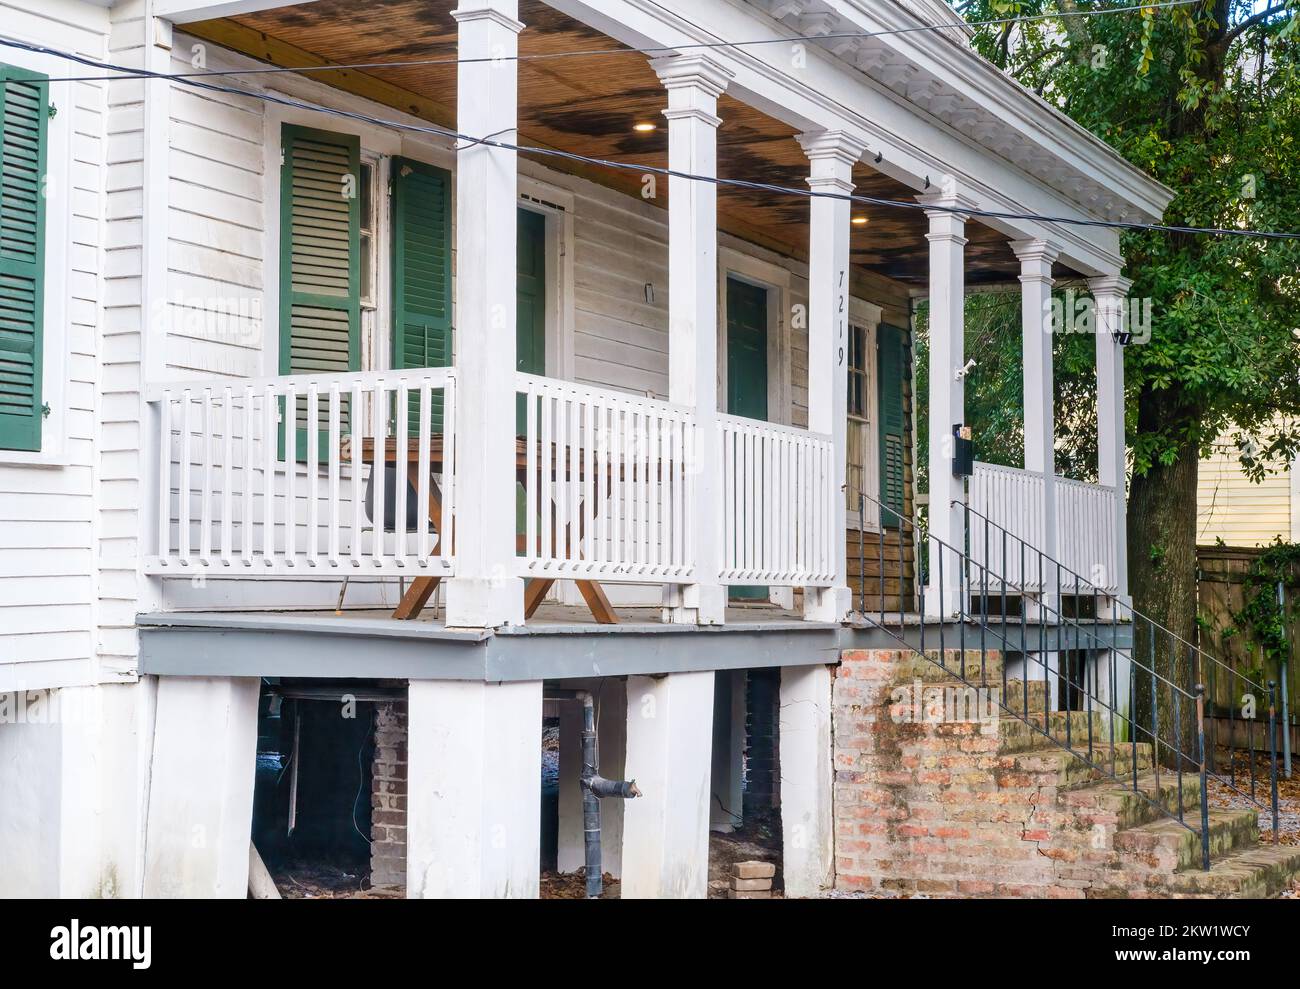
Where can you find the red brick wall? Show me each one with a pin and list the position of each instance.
(388, 797)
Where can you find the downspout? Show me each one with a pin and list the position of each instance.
(594, 788)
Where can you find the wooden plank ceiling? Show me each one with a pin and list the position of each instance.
(589, 105)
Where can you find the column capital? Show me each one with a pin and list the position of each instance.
(494, 14)
(836, 146)
(1110, 287)
(692, 72)
(1035, 249)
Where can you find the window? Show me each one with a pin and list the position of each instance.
(23, 139)
(858, 436)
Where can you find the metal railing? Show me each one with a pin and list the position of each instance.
(1147, 635)
(990, 611)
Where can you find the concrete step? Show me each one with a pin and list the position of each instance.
(1167, 846)
(1068, 768)
(1254, 872)
(1046, 730)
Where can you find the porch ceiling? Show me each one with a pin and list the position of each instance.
(589, 105)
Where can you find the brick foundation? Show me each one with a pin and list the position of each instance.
(952, 807)
(388, 796)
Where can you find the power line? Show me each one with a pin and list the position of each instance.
(655, 50)
(645, 169)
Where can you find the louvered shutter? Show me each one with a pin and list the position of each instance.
(891, 371)
(320, 262)
(421, 274)
(25, 100)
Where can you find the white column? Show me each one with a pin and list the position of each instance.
(201, 787)
(485, 593)
(1109, 293)
(831, 156)
(666, 830)
(474, 755)
(570, 847)
(694, 84)
(947, 238)
(1036, 257)
(807, 781)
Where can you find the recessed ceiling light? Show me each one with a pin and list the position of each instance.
(643, 128)
(859, 221)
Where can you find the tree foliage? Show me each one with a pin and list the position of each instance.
(1206, 98)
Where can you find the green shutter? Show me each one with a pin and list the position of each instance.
(891, 373)
(22, 254)
(421, 274)
(320, 261)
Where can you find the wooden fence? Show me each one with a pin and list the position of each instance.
(1222, 591)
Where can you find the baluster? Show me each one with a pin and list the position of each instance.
(532, 474)
(164, 492)
(183, 504)
(356, 425)
(312, 480)
(227, 474)
(270, 442)
(424, 473)
(334, 455)
(250, 430)
(401, 471)
(379, 467)
(291, 471)
(205, 492)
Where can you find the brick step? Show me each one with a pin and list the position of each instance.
(1130, 810)
(1167, 846)
(929, 669)
(1254, 872)
(1072, 727)
(1061, 768)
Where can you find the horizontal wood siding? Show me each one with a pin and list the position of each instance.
(47, 515)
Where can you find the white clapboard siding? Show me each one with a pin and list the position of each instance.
(47, 514)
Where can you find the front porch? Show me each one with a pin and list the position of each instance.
(636, 410)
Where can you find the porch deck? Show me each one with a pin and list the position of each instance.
(559, 642)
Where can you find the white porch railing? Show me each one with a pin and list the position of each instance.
(607, 484)
(1086, 536)
(779, 501)
(237, 497)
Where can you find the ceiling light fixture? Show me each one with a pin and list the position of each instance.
(643, 128)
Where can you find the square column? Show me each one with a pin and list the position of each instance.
(1109, 293)
(485, 593)
(947, 238)
(694, 84)
(807, 781)
(666, 829)
(1036, 257)
(726, 810)
(201, 787)
(831, 156)
(474, 800)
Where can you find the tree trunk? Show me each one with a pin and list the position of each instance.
(1162, 574)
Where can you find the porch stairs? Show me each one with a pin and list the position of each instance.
(1024, 802)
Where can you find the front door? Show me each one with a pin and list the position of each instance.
(747, 369)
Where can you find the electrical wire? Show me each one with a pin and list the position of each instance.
(660, 49)
(647, 169)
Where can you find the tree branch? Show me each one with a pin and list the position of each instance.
(1233, 34)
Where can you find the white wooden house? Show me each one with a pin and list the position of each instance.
(643, 394)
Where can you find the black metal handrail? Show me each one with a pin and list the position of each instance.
(1154, 628)
(1063, 626)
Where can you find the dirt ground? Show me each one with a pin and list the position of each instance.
(1235, 796)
